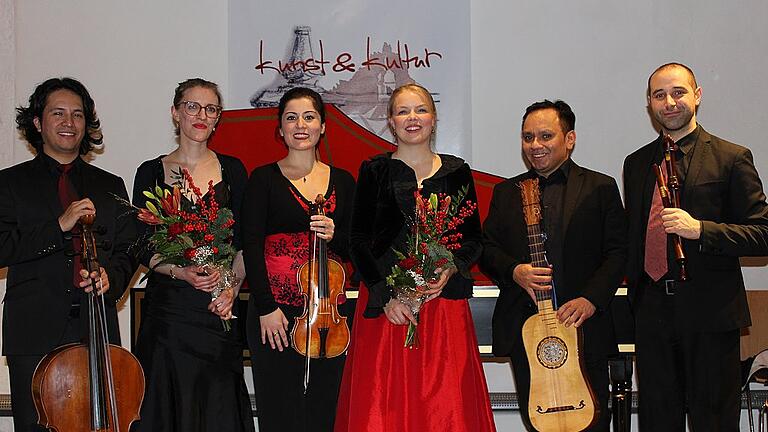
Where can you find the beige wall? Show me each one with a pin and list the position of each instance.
(594, 54)
(130, 55)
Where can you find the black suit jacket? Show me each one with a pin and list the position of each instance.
(594, 254)
(721, 189)
(39, 287)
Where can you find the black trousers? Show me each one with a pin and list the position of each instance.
(278, 381)
(697, 372)
(597, 373)
(20, 370)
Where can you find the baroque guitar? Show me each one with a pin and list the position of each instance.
(560, 398)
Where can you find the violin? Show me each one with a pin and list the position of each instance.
(669, 189)
(93, 386)
(320, 332)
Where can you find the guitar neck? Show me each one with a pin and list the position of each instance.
(539, 259)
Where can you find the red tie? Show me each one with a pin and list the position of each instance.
(656, 238)
(67, 195)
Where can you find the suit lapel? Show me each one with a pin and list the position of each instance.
(700, 154)
(89, 184)
(572, 191)
(648, 178)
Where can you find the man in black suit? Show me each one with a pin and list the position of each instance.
(41, 202)
(687, 333)
(585, 242)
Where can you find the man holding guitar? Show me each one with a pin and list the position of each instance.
(687, 332)
(584, 231)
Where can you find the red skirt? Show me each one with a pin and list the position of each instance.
(439, 386)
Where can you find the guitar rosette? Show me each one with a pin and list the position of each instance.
(552, 352)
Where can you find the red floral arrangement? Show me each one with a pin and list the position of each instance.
(191, 232)
(433, 235)
(196, 234)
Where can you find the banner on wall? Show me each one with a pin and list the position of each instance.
(355, 53)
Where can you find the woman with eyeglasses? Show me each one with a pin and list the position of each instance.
(193, 366)
(276, 226)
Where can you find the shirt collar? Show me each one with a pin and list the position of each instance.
(558, 175)
(686, 143)
(52, 164)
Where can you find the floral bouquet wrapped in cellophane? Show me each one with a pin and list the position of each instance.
(433, 235)
(191, 232)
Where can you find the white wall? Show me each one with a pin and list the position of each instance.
(130, 55)
(597, 55)
(594, 54)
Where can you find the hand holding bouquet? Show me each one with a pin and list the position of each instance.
(433, 235)
(193, 232)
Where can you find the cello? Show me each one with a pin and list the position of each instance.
(320, 332)
(95, 386)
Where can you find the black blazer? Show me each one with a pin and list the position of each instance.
(723, 190)
(39, 288)
(383, 198)
(594, 254)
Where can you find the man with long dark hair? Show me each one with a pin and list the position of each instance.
(41, 202)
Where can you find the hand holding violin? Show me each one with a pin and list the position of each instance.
(323, 226)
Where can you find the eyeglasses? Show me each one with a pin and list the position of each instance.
(192, 108)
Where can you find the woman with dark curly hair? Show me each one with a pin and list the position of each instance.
(276, 226)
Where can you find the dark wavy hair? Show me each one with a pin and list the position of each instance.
(564, 113)
(299, 93)
(178, 94)
(25, 116)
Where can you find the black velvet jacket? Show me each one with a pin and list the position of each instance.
(383, 197)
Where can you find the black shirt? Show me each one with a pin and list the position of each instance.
(685, 147)
(75, 174)
(552, 198)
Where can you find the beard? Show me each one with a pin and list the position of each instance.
(678, 122)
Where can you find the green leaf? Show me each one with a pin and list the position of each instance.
(149, 195)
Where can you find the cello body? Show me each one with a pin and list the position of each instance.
(93, 386)
(61, 391)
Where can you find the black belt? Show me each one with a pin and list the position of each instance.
(665, 286)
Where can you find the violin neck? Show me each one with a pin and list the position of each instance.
(319, 257)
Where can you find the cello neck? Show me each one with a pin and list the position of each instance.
(102, 392)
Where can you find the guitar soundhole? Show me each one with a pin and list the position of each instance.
(552, 352)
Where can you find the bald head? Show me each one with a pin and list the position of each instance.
(668, 66)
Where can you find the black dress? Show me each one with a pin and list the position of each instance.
(275, 243)
(193, 368)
